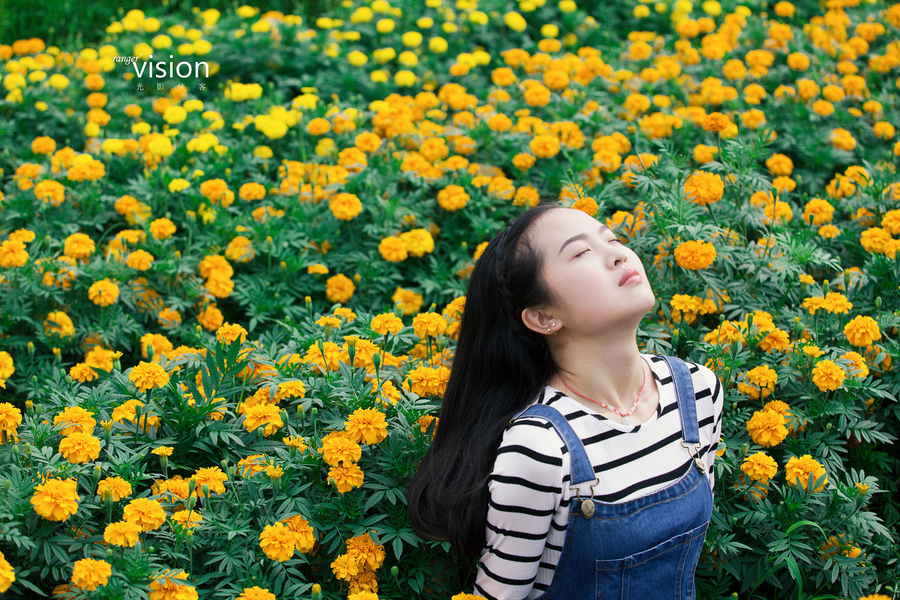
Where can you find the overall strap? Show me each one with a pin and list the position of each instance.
(582, 470)
(687, 402)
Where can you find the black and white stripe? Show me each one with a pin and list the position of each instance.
(529, 505)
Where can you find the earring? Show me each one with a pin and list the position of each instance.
(548, 329)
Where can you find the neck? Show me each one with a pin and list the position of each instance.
(608, 369)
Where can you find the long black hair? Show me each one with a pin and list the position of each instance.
(499, 367)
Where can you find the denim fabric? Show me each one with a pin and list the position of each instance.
(644, 549)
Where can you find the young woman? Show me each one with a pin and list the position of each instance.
(567, 462)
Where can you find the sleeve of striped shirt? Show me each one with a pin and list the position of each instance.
(525, 492)
(717, 394)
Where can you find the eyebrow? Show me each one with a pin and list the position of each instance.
(580, 236)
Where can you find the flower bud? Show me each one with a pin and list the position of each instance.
(878, 302)
(189, 537)
(29, 408)
(110, 553)
(150, 351)
(395, 572)
(825, 287)
(192, 502)
(192, 484)
(205, 489)
(847, 279)
(300, 410)
(745, 448)
(224, 464)
(376, 360)
(98, 473)
(316, 592)
(30, 348)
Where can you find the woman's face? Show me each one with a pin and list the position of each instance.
(587, 270)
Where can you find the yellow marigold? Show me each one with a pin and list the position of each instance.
(393, 249)
(122, 533)
(798, 470)
(229, 332)
(187, 519)
(715, 122)
(862, 331)
(89, 574)
(50, 192)
(318, 126)
(147, 376)
(418, 241)
(523, 161)
(544, 146)
(386, 323)
(767, 428)
(13, 254)
(263, 415)
(339, 288)
(163, 587)
(827, 375)
(704, 188)
(56, 499)
(345, 206)
(278, 542)
(140, 260)
(429, 324)
(837, 303)
(347, 477)
(339, 449)
(213, 477)
(79, 448)
(74, 419)
(759, 467)
(103, 292)
(695, 255)
(146, 513)
(162, 229)
(252, 191)
(409, 301)
(344, 567)
(367, 554)
(452, 198)
(79, 245)
(117, 487)
(366, 425)
(427, 381)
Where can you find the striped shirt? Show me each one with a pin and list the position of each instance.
(529, 493)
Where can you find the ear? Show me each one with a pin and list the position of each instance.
(540, 321)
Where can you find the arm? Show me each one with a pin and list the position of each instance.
(525, 492)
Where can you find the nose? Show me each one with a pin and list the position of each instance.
(618, 255)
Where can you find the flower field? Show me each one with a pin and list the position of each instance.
(232, 274)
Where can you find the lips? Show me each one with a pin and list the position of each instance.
(629, 273)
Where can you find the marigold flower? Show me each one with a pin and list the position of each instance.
(78, 245)
(163, 451)
(339, 288)
(162, 229)
(366, 425)
(368, 555)
(13, 254)
(74, 419)
(117, 487)
(828, 376)
(122, 533)
(148, 376)
(339, 449)
(798, 470)
(147, 514)
(187, 520)
(229, 332)
(695, 255)
(164, 588)
(759, 467)
(762, 380)
(544, 146)
(263, 415)
(386, 323)
(715, 122)
(345, 206)
(213, 477)
(429, 324)
(79, 448)
(393, 249)
(7, 574)
(418, 241)
(256, 593)
(88, 574)
(767, 428)
(862, 331)
(704, 188)
(344, 567)
(140, 260)
(103, 292)
(56, 499)
(278, 542)
(347, 477)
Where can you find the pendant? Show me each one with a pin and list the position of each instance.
(626, 422)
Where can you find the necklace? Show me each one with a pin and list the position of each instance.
(625, 420)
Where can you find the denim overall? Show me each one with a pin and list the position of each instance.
(644, 549)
